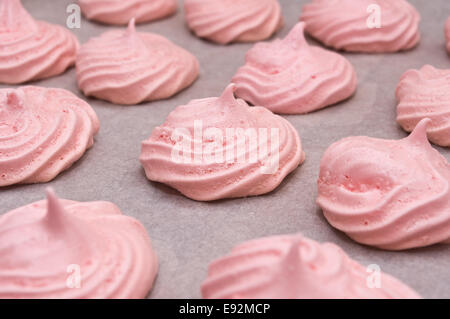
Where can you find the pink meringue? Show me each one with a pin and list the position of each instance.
(228, 149)
(295, 267)
(345, 24)
(42, 133)
(233, 21)
(291, 77)
(84, 250)
(390, 194)
(30, 49)
(425, 93)
(127, 67)
(447, 33)
(120, 11)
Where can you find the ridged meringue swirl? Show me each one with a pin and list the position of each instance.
(295, 267)
(226, 21)
(447, 33)
(390, 194)
(30, 49)
(239, 163)
(42, 132)
(127, 67)
(347, 24)
(291, 77)
(121, 12)
(71, 250)
(425, 93)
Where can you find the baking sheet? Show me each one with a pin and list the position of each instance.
(187, 235)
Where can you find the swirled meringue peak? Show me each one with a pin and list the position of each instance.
(371, 26)
(390, 194)
(30, 49)
(226, 21)
(120, 12)
(425, 93)
(295, 267)
(291, 77)
(447, 33)
(218, 148)
(127, 67)
(70, 250)
(42, 133)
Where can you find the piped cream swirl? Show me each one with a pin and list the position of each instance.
(122, 11)
(390, 194)
(425, 93)
(128, 67)
(71, 250)
(30, 49)
(295, 267)
(211, 163)
(225, 21)
(42, 132)
(291, 77)
(353, 25)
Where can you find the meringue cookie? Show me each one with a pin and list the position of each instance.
(347, 24)
(120, 11)
(447, 33)
(30, 49)
(233, 21)
(425, 93)
(42, 133)
(390, 194)
(85, 250)
(295, 267)
(216, 162)
(291, 77)
(127, 67)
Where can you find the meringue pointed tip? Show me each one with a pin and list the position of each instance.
(54, 207)
(299, 28)
(419, 134)
(52, 199)
(10, 10)
(50, 193)
(293, 254)
(10, 5)
(132, 25)
(228, 93)
(297, 34)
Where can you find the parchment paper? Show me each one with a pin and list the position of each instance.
(187, 235)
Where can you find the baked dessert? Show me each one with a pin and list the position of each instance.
(30, 49)
(291, 77)
(225, 21)
(129, 67)
(389, 194)
(120, 12)
(425, 93)
(43, 131)
(85, 251)
(218, 148)
(295, 267)
(371, 26)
